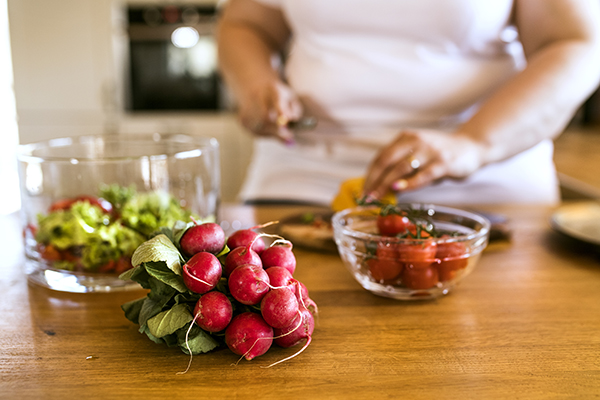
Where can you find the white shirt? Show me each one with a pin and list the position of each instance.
(373, 67)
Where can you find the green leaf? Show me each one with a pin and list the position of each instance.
(132, 309)
(223, 252)
(198, 340)
(169, 321)
(145, 330)
(129, 273)
(150, 308)
(159, 248)
(188, 297)
(163, 230)
(161, 272)
(161, 292)
(179, 228)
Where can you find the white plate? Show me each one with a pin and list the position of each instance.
(579, 220)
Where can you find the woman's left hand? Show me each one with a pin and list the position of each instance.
(418, 158)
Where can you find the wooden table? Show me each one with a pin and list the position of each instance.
(525, 324)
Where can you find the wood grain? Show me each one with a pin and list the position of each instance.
(525, 324)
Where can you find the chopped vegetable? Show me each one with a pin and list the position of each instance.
(99, 234)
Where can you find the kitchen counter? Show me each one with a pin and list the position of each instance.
(523, 325)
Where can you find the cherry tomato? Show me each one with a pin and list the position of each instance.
(384, 270)
(108, 267)
(392, 224)
(50, 253)
(64, 204)
(386, 265)
(419, 278)
(123, 264)
(420, 254)
(453, 257)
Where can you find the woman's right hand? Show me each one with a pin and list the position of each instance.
(268, 108)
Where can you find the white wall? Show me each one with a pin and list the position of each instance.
(68, 62)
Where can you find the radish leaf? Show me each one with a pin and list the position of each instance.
(159, 248)
(167, 322)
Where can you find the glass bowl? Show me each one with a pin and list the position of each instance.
(410, 263)
(89, 201)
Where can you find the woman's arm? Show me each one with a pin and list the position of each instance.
(561, 40)
(249, 36)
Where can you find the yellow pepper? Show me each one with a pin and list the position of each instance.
(352, 190)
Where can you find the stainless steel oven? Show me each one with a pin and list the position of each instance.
(172, 58)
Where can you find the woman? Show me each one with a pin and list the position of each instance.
(445, 101)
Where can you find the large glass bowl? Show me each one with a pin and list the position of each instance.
(411, 266)
(89, 201)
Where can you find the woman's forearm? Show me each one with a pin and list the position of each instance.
(561, 40)
(537, 103)
(249, 35)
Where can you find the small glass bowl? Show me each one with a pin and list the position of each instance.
(89, 201)
(409, 268)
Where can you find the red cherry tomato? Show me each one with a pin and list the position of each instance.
(50, 253)
(64, 204)
(392, 224)
(453, 257)
(419, 278)
(108, 267)
(384, 270)
(420, 254)
(386, 265)
(123, 264)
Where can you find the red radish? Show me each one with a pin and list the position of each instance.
(280, 277)
(213, 311)
(240, 256)
(249, 335)
(279, 307)
(208, 237)
(279, 256)
(244, 238)
(202, 272)
(302, 295)
(301, 328)
(248, 284)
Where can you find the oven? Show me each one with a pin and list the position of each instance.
(172, 58)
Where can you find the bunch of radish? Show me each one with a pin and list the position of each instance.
(243, 292)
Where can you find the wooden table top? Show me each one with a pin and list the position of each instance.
(525, 324)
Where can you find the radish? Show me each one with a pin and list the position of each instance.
(244, 238)
(280, 277)
(279, 307)
(248, 335)
(240, 256)
(248, 284)
(208, 237)
(202, 272)
(279, 256)
(303, 299)
(213, 311)
(302, 327)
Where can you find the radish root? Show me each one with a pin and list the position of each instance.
(187, 335)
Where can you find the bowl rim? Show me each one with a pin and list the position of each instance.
(197, 143)
(481, 219)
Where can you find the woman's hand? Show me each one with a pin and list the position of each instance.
(268, 108)
(420, 157)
